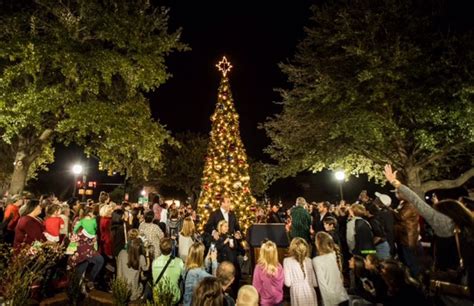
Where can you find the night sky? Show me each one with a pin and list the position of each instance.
(255, 37)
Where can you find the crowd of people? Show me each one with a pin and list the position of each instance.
(366, 253)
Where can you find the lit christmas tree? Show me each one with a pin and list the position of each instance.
(226, 172)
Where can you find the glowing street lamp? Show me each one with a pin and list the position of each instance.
(340, 176)
(77, 170)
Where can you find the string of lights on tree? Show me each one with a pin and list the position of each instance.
(226, 171)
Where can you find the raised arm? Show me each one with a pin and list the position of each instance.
(442, 225)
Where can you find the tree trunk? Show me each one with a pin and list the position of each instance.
(414, 180)
(20, 172)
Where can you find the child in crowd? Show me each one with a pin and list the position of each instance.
(330, 227)
(88, 223)
(299, 274)
(53, 223)
(173, 228)
(375, 284)
(226, 245)
(186, 237)
(65, 212)
(208, 293)
(247, 296)
(130, 264)
(268, 278)
(328, 267)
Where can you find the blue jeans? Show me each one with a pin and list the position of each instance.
(383, 250)
(97, 261)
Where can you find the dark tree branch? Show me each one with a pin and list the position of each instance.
(448, 184)
(436, 156)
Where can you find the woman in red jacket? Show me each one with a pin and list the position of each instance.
(30, 227)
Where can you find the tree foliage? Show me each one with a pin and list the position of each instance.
(375, 82)
(258, 172)
(184, 164)
(75, 71)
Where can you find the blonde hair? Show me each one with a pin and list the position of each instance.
(268, 257)
(106, 210)
(133, 234)
(358, 210)
(195, 257)
(299, 250)
(220, 224)
(188, 227)
(247, 296)
(325, 245)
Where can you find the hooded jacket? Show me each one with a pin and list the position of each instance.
(269, 287)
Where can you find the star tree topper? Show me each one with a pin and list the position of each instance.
(224, 66)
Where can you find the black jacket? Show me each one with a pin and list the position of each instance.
(274, 218)
(216, 217)
(318, 225)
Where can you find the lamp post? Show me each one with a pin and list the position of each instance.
(340, 176)
(76, 169)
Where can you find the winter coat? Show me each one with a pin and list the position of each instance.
(300, 223)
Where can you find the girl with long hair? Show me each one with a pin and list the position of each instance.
(187, 237)
(130, 264)
(328, 267)
(208, 293)
(299, 274)
(402, 288)
(195, 269)
(226, 244)
(268, 276)
(118, 231)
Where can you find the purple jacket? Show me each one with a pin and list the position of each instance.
(269, 287)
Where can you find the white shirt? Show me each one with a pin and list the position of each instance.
(225, 214)
(329, 279)
(164, 216)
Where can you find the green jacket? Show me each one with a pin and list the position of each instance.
(300, 223)
(172, 273)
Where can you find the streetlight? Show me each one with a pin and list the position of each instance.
(76, 169)
(340, 176)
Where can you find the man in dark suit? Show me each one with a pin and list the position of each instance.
(273, 216)
(223, 213)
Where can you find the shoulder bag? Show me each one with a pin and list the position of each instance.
(163, 271)
(445, 287)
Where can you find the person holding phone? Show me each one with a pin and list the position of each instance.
(197, 268)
